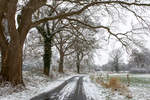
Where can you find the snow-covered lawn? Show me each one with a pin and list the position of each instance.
(131, 75)
(97, 92)
(36, 83)
(139, 87)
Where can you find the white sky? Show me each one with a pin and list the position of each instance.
(101, 57)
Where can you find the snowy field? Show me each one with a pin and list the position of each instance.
(139, 87)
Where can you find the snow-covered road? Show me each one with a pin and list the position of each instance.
(72, 89)
(78, 93)
(59, 93)
(78, 87)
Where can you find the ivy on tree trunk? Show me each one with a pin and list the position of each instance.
(61, 63)
(47, 56)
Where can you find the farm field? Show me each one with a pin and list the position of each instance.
(139, 87)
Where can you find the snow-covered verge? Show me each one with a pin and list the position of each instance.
(97, 92)
(35, 83)
(140, 93)
(92, 91)
(140, 87)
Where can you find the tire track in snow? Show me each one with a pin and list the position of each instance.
(78, 93)
(59, 92)
(65, 92)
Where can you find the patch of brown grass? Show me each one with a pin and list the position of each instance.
(115, 84)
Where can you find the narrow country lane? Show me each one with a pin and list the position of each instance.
(72, 89)
(54, 94)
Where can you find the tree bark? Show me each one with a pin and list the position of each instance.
(116, 67)
(12, 64)
(47, 56)
(61, 62)
(11, 49)
(78, 63)
(78, 68)
(47, 46)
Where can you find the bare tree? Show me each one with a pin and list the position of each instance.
(48, 32)
(12, 37)
(83, 48)
(63, 42)
(116, 58)
(140, 59)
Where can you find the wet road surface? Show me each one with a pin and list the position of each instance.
(76, 94)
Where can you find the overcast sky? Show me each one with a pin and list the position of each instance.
(102, 55)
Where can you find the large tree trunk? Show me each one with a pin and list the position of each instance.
(12, 64)
(78, 68)
(47, 56)
(78, 63)
(4, 66)
(116, 67)
(11, 49)
(61, 62)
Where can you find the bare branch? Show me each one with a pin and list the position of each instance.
(64, 15)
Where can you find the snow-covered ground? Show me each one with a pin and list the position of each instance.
(140, 93)
(131, 75)
(97, 92)
(93, 91)
(140, 87)
(35, 84)
(38, 83)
